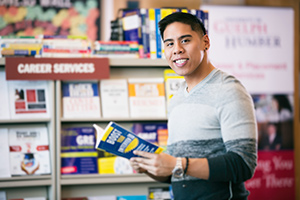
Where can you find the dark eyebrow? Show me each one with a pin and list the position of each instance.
(181, 37)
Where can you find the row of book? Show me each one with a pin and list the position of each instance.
(108, 98)
(120, 98)
(66, 47)
(142, 25)
(26, 148)
(79, 155)
(141, 39)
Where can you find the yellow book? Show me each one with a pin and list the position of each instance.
(172, 83)
(117, 140)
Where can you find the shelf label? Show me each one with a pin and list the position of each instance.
(20, 68)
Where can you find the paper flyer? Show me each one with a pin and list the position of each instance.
(121, 142)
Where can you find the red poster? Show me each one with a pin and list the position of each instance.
(274, 176)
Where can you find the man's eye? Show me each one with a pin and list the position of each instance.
(169, 44)
(185, 41)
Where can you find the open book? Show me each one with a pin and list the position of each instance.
(117, 140)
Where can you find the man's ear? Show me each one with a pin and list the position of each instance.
(206, 42)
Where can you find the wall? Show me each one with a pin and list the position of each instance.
(296, 5)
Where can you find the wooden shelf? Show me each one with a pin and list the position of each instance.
(104, 179)
(31, 120)
(111, 119)
(128, 62)
(25, 181)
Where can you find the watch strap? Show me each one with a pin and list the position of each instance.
(186, 165)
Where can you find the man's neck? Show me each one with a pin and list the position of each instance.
(200, 75)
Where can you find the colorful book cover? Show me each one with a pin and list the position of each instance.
(114, 98)
(81, 99)
(150, 131)
(172, 83)
(29, 99)
(29, 151)
(117, 140)
(147, 97)
(78, 155)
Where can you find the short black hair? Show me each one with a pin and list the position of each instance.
(182, 17)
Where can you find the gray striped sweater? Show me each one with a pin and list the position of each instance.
(214, 120)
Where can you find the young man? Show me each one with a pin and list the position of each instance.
(212, 144)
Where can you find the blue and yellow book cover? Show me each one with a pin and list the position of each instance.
(117, 140)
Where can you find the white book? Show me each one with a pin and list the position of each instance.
(80, 100)
(4, 102)
(29, 150)
(4, 152)
(29, 99)
(114, 98)
(152, 34)
(147, 97)
(106, 197)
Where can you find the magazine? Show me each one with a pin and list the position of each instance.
(117, 140)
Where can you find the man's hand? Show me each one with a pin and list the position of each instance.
(156, 164)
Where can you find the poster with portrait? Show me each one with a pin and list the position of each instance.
(247, 43)
(47, 17)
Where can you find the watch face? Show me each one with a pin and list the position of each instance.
(178, 173)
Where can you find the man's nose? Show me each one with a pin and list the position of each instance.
(178, 49)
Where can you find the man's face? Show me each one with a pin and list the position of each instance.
(183, 49)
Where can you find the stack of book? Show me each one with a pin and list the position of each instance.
(66, 46)
(141, 25)
(112, 49)
(20, 46)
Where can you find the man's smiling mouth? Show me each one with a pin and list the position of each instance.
(181, 61)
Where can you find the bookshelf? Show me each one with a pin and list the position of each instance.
(33, 185)
(106, 184)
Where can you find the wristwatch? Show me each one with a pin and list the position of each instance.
(178, 170)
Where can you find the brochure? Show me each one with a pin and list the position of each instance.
(117, 140)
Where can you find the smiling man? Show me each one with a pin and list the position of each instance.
(212, 144)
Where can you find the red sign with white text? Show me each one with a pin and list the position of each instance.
(274, 176)
(30, 68)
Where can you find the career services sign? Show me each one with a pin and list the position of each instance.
(29, 68)
(255, 44)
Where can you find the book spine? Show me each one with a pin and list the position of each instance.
(132, 28)
(205, 20)
(20, 52)
(49, 50)
(65, 55)
(152, 33)
(145, 32)
(164, 12)
(158, 38)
